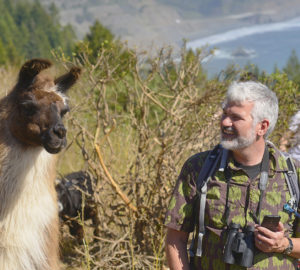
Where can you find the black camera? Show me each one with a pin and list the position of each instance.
(239, 247)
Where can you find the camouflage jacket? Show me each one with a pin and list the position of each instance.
(243, 198)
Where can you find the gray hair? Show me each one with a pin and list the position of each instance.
(265, 101)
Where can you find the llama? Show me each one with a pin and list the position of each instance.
(31, 131)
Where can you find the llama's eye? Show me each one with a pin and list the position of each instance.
(29, 108)
(64, 111)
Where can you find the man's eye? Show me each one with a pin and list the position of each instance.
(235, 118)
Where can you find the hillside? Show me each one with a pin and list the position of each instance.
(146, 23)
(28, 30)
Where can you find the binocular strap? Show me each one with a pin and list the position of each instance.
(202, 202)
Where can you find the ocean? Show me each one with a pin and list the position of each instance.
(265, 45)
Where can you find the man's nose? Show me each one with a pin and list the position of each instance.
(226, 121)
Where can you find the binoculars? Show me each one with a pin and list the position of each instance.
(239, 247)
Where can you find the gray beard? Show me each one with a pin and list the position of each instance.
(238, 142)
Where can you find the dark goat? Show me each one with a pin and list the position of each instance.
(72, 208)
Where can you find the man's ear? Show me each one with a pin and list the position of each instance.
(263, 127)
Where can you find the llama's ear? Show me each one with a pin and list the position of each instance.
(66, 81)
(30, 69)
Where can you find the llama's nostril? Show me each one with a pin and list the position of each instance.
(60, 131)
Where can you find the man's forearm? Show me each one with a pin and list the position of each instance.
(177, 258)
(176, 250)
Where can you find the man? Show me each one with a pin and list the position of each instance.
(295, 128)
(292, 137)
(250, 112)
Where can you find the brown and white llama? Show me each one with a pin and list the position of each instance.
(31, 131)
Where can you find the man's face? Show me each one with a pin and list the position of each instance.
(237, 126)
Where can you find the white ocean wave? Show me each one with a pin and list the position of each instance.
(237, 53)
(222, 54)
(243, 32)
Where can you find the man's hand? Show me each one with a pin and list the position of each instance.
(269, 241)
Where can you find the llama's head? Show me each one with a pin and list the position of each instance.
(39, 104)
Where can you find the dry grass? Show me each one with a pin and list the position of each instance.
(8, 77)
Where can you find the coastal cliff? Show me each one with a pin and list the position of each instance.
(154, 23)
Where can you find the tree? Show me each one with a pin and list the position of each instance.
(27, 30)
(100, 42)
(97, 39)
(292, 68)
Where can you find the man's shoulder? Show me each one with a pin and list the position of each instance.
(197, 159)
(278, 154)
(198, 156)
(296, 162)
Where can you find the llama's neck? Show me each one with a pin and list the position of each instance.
(28, 204)
(24, 174)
